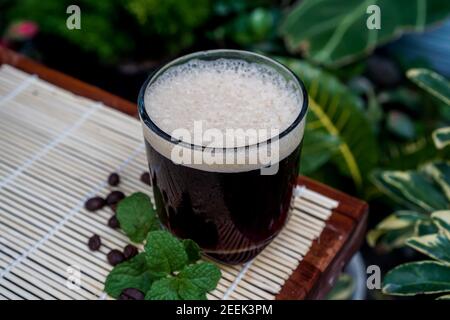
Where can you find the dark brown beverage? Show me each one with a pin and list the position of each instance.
(232, 210)
(232, 216)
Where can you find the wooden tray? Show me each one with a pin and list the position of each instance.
(310, 278)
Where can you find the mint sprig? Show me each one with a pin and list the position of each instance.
(192, 283)
(137, 216)
(168, 269)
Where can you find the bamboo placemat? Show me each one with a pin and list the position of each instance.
(56, 150)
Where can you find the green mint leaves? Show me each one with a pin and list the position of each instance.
(130, 274)
(165, 253)
(169, 267)
(136, 216)
(192, 283)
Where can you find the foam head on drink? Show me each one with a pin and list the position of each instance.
(231, 107)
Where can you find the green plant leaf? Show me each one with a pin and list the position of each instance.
(335, 33)
(441, 137)
(334, 110)
(444, 297)
(192, 250)
(165, 253)
(411, 188)
(442, 220)
(134, 273)
(432, 82)
(164, 289)
(343, 289)
(440, 173)
(425, 227)
(436, 246)
(192, 283)
(417, 278)
(203, 275)
(318, 148)
(136, 216)
(393, 231)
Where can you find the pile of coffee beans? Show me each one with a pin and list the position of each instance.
(115, 256)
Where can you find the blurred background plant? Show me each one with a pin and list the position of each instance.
(378, 117)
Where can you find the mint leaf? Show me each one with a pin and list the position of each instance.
(136, 216)
(192, 249)
(203, 275)
(164, 289)
(165, 253)
(130, 274)
(192, 283)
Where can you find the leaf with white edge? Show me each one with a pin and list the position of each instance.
(137, 216)
(401, 219)
(432, 82)
(416, 278)
(164, 289)
(440, 172)
(445, 297)
(411, 188)
(336, 32)
(165, 253)
(441, 137)
(133, 273)
(436, 246)
(394, 230)
(425, 227)
(442, 219)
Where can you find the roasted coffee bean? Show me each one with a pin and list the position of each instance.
(113, 222)
(94, 203)
(131, 294)
(115, 257)
(113, 179)
(114, 197)
(145, 178)
(94, 242)
(130, 251)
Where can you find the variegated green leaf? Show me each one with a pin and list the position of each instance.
(393, 231)
(441, 137)
(444, 297)
(336, 32)
(413, 189)
(416, 278)
(336, 111)
(424, 227)
(400, 220)
(431, 82)
(436, 246)
(440, 172)
(442, 219)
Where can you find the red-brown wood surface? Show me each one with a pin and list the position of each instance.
(341, 238)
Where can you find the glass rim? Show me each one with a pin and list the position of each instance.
(145, 118)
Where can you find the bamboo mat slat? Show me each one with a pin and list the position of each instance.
(56, 150)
